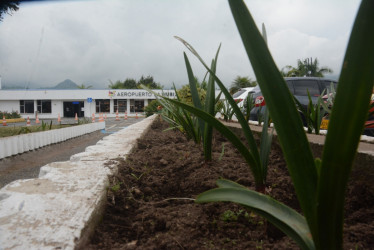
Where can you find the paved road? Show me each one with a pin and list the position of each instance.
(27, 165)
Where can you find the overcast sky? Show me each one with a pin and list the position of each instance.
(91, 42)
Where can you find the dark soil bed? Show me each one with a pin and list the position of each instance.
(149, 203)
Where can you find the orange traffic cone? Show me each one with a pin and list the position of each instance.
(136, 116)
(126, 115)
(37, 119)
(117, 117)
(59, 118)
(101, 118)
(28, 124)
(93, 117)
(76, 117)
(4, 121)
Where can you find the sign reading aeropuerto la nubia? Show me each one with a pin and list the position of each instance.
(129, 93)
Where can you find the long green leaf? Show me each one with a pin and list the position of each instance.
(180, 118)
(194, 92)
(189, 123)
(257, 168)
(264, 35)
(285, 218)
(223, 130)
(355, 83)
(313, 114)
(209, 108)
(283, 112)
(223, 183)
(231, 137)
(266, 140)
(304, 111)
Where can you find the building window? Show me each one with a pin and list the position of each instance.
(120, 105)
(136, 106)
(102, 105)
(139, 105)
(44, 106)
(26, 107)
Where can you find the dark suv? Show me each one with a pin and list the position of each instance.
(298, 87)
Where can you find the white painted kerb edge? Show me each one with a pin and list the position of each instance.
(59, 209)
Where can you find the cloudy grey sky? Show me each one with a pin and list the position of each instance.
(97, 40)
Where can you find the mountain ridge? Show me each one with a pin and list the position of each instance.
(66, 84)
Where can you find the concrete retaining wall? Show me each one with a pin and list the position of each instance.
(60, 209)
(22, 143)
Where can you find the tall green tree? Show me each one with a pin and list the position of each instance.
(241, 82)
(116, 85)
(130, 83)
(306, 67)
(7, 7)
(149, 83)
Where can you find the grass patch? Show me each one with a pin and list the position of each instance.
(17, 130)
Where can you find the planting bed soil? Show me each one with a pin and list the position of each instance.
(150, 206)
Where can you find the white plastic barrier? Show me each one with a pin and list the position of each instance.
(22, 143)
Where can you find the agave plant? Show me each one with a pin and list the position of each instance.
(206, 129)
(226, 111)
(256, 159)
(178, 118)
(248, 106)
(313, 113)
(193, 126)
(320, 184)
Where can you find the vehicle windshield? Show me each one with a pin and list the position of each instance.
(256, 89)
(237, 94)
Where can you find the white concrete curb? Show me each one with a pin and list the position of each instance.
(60, 209)
(22, 143)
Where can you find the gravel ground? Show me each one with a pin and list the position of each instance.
(27, 165)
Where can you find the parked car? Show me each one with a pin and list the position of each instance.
(298, 87)
(242, 94)
(369, 124)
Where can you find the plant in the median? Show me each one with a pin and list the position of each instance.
(320, 184)
(254, 157)
(84, 120)
(43, 126)
(313, 113)
(226, 110)
(24, 130)
(151, 108)
(206, 130)
(7, 115)
(179, 118)
(248, 106)
(193, 126)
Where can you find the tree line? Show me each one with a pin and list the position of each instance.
(306, 67)
(7, 7)
(131, 83)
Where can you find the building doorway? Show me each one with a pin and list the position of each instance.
(136, 106)
(72, 108)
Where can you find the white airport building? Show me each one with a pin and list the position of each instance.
(49, 103)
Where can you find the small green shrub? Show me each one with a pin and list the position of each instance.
(7, 115)
(185, 94)
(152, 108)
